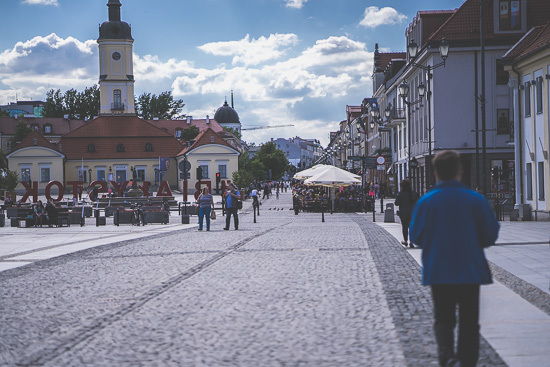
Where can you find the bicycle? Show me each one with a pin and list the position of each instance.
(138, 216)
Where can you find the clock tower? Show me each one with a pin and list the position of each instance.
(116, 68)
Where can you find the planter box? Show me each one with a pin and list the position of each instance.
(122, 218)
(157, 217)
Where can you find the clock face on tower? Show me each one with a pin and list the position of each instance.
(116, 56)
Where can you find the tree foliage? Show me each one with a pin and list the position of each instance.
(22, 130)
(232, 131)
(190, 133)
(76, 105)
(272, 159)
(8, 179)
(163, 106)
(267, 158)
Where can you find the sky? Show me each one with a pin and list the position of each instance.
(294, 62)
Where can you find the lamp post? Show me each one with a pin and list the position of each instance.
(412, 49)
(403, 93)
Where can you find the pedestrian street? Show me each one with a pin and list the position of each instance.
(288, 290)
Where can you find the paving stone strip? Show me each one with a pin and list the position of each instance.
(525, 290)
(409, 301)
(81, 334)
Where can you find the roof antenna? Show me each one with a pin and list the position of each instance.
(232, 105)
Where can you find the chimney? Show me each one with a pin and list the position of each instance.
(189, 119)
(207, 119)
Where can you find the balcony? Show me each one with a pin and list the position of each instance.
(397, 116)
(117, 106)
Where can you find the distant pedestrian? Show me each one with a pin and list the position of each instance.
(405, 200)
(452, 224)
(233, 202)
(206, 203)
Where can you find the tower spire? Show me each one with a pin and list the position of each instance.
(232, 105)
(114, 10)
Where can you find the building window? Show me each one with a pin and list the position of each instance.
(157, 173)
(117, 99)
(502, 75)
(25, 174)
(48, 129)
(35, 127)
(91, 148)
(82, 174)
(100, 173)
(529, 181)
(178, 133)
(503, 123)
(538, 91)
(540, 175)
(205, 173)
(222, 170)
(509, 15)
(120, 148)
(527, 99)
(45, 174)
(148, 147)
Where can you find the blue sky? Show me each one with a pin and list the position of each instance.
(288, 61)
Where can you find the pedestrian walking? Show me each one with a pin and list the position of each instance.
(233, 204)
(452, 224)
(406, 199)
(206, 203)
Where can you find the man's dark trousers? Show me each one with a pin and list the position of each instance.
(228, 213)
(446, 297)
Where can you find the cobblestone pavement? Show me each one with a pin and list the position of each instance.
(286, 291)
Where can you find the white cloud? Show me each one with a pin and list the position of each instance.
(309, 90)
(298, 4)
(41, 2)
(252, 52)
(375, 17)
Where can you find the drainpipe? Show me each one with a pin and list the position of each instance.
(518, 151)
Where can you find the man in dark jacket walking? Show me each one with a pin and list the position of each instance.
(453, 224)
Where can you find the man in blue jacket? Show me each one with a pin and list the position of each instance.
(452, 224)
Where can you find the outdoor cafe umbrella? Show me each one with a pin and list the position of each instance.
(333, 177)
(307, 173)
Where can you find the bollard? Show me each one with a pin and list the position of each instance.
(323, 213)
(254, 209)
(117, 217)
(381, 205)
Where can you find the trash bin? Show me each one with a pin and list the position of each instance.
(389, 213)
(2, 219)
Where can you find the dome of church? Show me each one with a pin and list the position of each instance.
(115, 30)
(227, 115)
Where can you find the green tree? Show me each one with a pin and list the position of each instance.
(54, 104)
(3, 160)
(232, 131)
(8, 180)
(4, 113)
(162, 106)
(190, 133)
(22, 130)
(242, 178)
(88, 103)
(272, 159)
(77, 105)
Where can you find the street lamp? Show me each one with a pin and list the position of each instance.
(404, 93)
(412, 49)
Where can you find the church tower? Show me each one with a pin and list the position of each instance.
(116, 68)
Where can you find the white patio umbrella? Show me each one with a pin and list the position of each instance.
(333, 177)
(307, 173)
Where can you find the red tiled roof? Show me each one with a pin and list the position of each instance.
(536, 39)
(464, 24)
(30, 140)
(172, 125)
(107, 132)
(387, 57)
(205, 138)
(60, 126)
